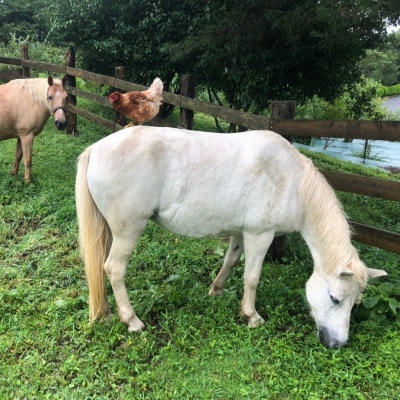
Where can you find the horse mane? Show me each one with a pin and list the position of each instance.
(36, 88)
(325, 216)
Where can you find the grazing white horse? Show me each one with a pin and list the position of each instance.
(249, 186)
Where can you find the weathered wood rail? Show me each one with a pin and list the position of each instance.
(377, 130)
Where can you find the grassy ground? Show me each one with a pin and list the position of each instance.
(194, 347)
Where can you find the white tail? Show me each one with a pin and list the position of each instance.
(157, 88)
(95, 241)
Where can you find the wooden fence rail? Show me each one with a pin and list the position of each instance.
(378, 130)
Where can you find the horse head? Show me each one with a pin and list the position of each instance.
(331, 298)
(56, 98)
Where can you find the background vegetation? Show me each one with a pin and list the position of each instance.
(246, 53)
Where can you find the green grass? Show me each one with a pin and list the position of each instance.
(194, 347)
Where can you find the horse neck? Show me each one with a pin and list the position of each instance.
(36, 88)
(326, 229)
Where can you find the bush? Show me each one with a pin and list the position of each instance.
(37, 51)
(386, 91)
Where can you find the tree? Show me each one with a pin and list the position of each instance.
(267, 49)
(383, 64)
(109, 33)
(253, 51)
(21, 19)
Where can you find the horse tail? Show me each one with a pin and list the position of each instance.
(95, 240)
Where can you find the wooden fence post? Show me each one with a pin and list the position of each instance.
(187, 90)
(281, 110)
(25, 55)
(120, 73)
(71, 128)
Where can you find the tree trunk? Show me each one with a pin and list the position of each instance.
(283, 110)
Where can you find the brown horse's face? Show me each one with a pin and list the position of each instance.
(56, 97)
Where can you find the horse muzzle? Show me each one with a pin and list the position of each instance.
(328, 340)
(60, 122)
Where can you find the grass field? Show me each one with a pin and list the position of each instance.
(194, 346)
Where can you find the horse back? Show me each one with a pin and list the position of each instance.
(197, 183)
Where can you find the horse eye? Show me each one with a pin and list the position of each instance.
(334, 300)
(50, 98)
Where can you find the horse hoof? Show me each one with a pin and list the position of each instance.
(215, 292)
(136, 325)
(255, 321)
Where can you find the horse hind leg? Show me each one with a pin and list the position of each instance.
(255, 247)
(24, 148)
(18, 157)
(232, 257)
(115, 268)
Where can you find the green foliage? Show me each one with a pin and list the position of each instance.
(113, 33)
(22, 19)
(252, 51)
(383, 64)
(381, 303)
(38, 51)
(357, 102)
(386, 91)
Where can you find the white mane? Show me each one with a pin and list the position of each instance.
(325, 216)
(35, 87)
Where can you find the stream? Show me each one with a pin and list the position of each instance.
(380, 154)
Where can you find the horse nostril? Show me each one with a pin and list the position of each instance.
(60, 125)
(327, 340)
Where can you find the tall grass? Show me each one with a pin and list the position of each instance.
(194, 347)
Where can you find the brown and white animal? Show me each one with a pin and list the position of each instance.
(25, 107)
(140, 106)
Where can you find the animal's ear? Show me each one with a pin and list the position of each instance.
(345, 272)
(50, 80)
(375, 273)
(64, 81)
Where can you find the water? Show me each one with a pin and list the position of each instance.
(382, 154)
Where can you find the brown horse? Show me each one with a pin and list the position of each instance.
(25, 107)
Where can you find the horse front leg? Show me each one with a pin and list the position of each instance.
(232, 257)
(115, 268)
(255, 247)
(27, 144)
(18, 157)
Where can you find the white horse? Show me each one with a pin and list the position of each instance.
(249, 186)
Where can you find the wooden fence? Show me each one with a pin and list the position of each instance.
(378, 130)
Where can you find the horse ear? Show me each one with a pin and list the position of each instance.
(375, 273)
(64, 81)
(50, 80)
(345, 272)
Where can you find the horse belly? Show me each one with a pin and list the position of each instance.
(8, 120)
(18, 116)
(230, 210)
(195, 222)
